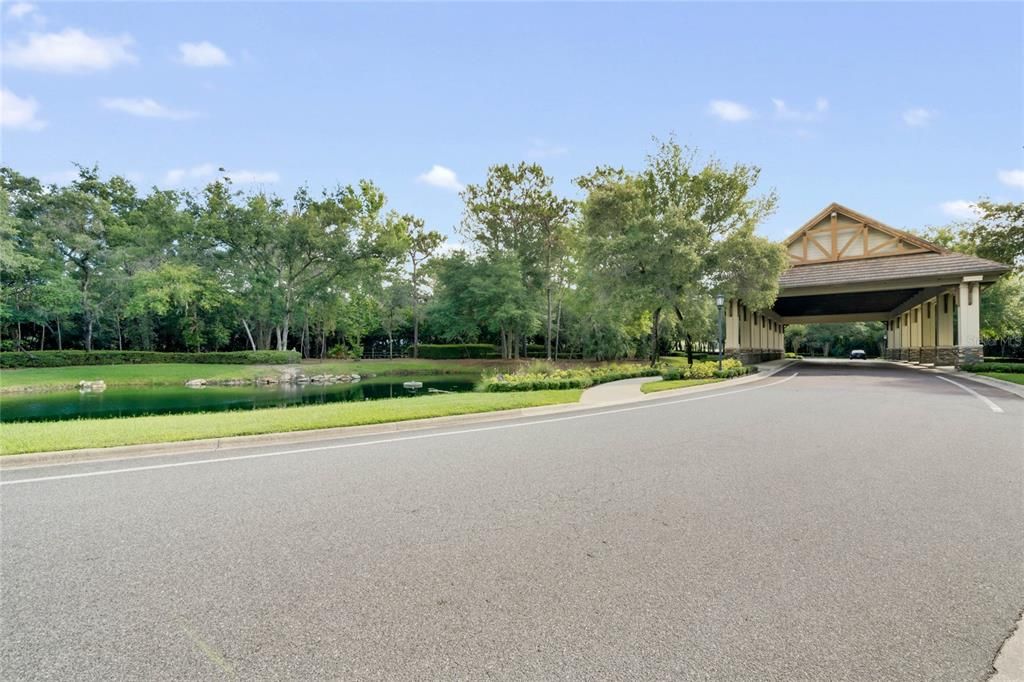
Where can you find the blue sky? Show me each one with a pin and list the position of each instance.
(906, 112)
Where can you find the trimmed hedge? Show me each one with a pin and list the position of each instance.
(1000, 367)
(457, 351)
(735, 372)
(704, 370)
(563, 378)
(71, 358)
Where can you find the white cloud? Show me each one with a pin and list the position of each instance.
(540, 149)
(63, 177)
(918, 117)
(202, 54)
(1013, 178)
(245, 177)
(961, 209)
(19, 112)
(145, 107)
(786, 113)
(439, 176)
(729, 111)
(179, 176)
(69, 51)
(19, 10)
(206, 171)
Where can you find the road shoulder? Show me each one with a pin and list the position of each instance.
(209, 445)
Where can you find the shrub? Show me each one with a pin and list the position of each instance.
(457, 351)
(341, 351)
(1001, 367)
(70, 358)
(734, 372)
(549, 377)
(700, 370)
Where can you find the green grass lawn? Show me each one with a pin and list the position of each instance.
(55, 378)
(655, 386)
(1005, 376)
(23, 437)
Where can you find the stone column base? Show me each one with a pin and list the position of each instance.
(928, 355)
(968, 355)
(945, 355)
(914, 354)
(904, 354)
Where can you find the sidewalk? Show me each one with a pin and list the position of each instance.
(628, 390)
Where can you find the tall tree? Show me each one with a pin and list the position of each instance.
(516, 214)
(671, 236)
(420, 245)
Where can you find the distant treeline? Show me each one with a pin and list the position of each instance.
(627, 269)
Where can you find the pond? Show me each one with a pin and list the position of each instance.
(132, 401)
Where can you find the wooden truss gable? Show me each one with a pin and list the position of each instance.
(840, 234)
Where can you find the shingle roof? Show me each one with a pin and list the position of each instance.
(911, 266)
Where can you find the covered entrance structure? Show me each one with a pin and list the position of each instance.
(848, 267)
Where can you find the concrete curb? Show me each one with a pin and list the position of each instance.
(640, 397)
(10, 462)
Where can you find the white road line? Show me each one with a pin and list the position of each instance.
(382, 441)
(991, 405)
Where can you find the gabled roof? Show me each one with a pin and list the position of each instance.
(947, 266)
(838, 233)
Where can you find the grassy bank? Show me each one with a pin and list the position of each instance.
(655, 386)
(92, 433)
(1016, 378)
(57, 378)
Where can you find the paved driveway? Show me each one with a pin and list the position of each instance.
(840, 522)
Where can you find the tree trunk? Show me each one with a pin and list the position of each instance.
(504, 345)
(60, 337)
(391, 345)
(558, 328)
(86, 311)
(689, 350)
(120, 336)
(415, 314)
(547, 339)
(654, 336)
(248, 333)
(42, 336)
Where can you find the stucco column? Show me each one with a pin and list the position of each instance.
(890, 338)
(732, 328)
(968, 345)
(897, 347)
(928, 332)
(945, 352)
(914, 347)
(745, 327)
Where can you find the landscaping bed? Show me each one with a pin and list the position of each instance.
(543, 376)
(663, 385)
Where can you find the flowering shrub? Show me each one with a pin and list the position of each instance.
(540, 378)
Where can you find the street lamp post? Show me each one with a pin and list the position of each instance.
(720, 302)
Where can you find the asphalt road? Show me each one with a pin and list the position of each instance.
(849, 522)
